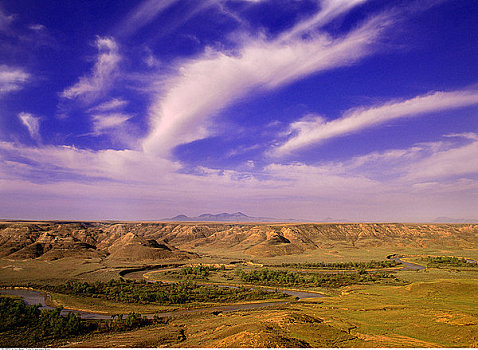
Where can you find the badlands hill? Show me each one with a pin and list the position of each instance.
(153, 241)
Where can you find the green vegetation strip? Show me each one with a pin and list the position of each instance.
(26, 326)
(41, 324)
(448, 261)
(345, 265)
(130, 291)
(330, 280)
(199, 272)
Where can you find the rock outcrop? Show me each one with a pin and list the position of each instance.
(158, 241)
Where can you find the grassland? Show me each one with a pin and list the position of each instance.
(435, 307)
(442, 313)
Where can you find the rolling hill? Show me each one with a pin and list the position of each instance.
(167, 240)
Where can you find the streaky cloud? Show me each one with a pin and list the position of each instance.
(12, 79)
(312, 130)
(95, 85)
(205, 85)
(5, 20)
(32, 124)
(113, 104)
(439, 176)
(459, 161)
(330, 9)
(142, 15)
(108, 121)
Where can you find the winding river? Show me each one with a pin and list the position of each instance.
(407, 266)
(137, 274)
(34, 297)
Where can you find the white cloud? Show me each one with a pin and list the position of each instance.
(432, 162)
(12, 79)
(127, 184)
(105, 122)
(209, 83)
(142, 15)
(330, 9)
(5, 20)
(32, 123)
(114, 165)
(460, 161)
(105, 70)
(466, 135)
(151, 61)
(37, 27)
(423, 181)
(312, 130)
(113, 104)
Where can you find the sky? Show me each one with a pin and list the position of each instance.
(357, 110)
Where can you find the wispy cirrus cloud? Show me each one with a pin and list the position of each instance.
(148, 10)
(92, 86)
(5, 20)
(142, 15)
(313, 129)
(422, 181)
(205, 85)
(32, 123)
(12, 79)
(453, 162)
(110, 105)
(108, 121)
(330, 9)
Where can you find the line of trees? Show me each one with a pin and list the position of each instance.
(331, 280)
(198, 272)
(120, 322)
(344, 265)
(24, 325)
(183, 292)
(40, 324)
(439, 261)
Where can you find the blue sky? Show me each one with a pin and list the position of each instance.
(352, 109)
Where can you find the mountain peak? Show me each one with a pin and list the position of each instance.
(179, 217)
(234, 217)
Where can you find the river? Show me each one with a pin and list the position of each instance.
(33, 297)
(137, 274)
(407, 266)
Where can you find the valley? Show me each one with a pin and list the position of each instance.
(251, 284)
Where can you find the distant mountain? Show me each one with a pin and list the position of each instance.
(443, 219)
(227, 217)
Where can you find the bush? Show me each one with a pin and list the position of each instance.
(41, 323)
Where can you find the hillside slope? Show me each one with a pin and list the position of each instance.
(153, 241)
